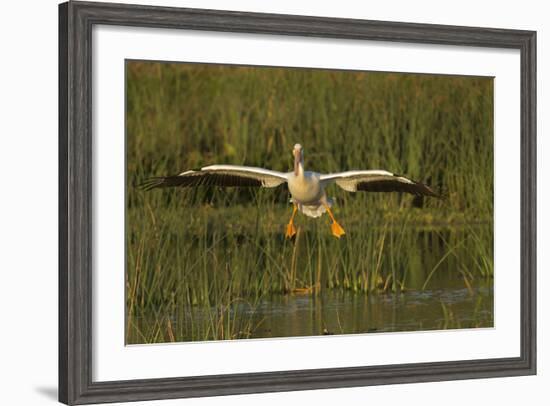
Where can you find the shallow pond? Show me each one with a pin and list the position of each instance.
(359, 313)
(343, 313)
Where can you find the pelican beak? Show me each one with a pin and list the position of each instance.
(297, 159)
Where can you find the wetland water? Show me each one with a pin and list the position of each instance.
(358, 313)
(440, 285)
(348, 313)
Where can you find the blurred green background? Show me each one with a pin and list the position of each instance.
(210, 263)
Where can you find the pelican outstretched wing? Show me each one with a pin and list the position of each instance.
(377, 181)
(220, 175)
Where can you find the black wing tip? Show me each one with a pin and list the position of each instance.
(428, 191)
(156, 182)
(152, 183)
(424, 190)
(194, 177)
(441, 194)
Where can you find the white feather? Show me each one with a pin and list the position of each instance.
(315, 210)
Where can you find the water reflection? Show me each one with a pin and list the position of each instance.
(349, 313)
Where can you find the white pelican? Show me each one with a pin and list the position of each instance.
(306, 188)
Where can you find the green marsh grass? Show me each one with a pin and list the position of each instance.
(192, 252)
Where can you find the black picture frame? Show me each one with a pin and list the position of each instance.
(76, 20)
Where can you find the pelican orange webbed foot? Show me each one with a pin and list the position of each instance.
(290, 229)
(337, 230)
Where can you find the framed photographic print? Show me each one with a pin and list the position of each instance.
(256, 202)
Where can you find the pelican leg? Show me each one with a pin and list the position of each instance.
(336, 228)
(290, 229)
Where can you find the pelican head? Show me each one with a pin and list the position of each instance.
(298, 158)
